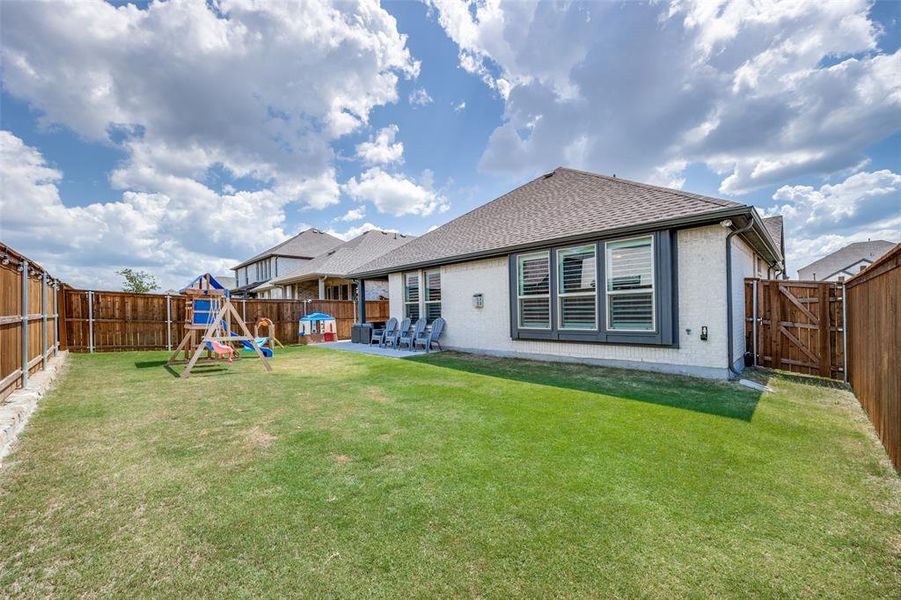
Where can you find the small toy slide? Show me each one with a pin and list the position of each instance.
(260, 341)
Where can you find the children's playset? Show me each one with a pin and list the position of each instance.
(210, 323)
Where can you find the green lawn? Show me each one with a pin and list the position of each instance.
(341, 474)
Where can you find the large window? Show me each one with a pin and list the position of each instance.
(432, 280)
(411, 295)
(618, 291)
(533, 277)
(630, 284)
(577, 288)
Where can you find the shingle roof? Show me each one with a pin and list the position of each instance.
(774, 227)
(564, 203)
(845, 257)
(306, 244)
(343, 259)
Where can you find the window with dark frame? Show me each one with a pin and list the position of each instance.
(577, 288)
(619, 291)
(432, 280)
(411, 295)
(630, 284)
(534, 290)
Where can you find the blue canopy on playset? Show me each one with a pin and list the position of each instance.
(315, 317)
(206, 277)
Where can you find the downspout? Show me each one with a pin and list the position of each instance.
(730, 335)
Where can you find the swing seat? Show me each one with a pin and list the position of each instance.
(221, 350)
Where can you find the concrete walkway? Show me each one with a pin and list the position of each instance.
(370, 349)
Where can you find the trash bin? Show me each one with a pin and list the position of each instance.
(355, 334)
(365, 333)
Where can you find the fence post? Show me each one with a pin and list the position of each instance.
(754, 321)
(244, 311)
(24, 323)
(62, 326)
(168, 322)
(824, 317)
(44, 320)
(90, 321)
(844, 332)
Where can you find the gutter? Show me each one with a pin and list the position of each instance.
(730, 334)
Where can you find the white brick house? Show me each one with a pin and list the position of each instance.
(581, 267)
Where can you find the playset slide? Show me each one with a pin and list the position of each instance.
(267, 352)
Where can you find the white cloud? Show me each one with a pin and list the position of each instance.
(175, 234)
(260, 90)
(419, 97)
(396, 194)
(460, 106)
(382, 149)
(761, 93)
(818, 221)
(353, 232)
(354, 214)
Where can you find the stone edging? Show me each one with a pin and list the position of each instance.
(17, 408)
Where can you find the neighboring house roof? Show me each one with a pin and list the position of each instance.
(562, 205)
(306, 244)
(846, 257)
(226, 281)
(344, 259)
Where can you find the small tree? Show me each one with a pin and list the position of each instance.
(138, 281)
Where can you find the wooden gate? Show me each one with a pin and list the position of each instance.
(796, 326)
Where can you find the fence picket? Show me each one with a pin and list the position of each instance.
(116, 321)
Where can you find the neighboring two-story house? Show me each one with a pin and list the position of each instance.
(326, 276)
(278, 260)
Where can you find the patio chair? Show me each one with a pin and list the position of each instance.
(379, 335)
(393, 339)
(407, 338)
(427, 338)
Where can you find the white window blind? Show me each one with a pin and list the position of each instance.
(630, 284)
(411, 296)
(533, 274)
(432, 295)
(577, 287)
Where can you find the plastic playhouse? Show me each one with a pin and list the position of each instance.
(317, 327)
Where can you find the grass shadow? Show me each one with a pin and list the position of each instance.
(763, 375)
(689, 393)
(200, 369)
(149, 364)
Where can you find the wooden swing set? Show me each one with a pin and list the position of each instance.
(208, 328)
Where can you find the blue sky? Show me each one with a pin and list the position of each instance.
(182, 137)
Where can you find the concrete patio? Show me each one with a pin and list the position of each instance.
(371, 349)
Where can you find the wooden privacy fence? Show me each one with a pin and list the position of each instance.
(796, 326)
(28, 319)
(97, 321)
(874, 347)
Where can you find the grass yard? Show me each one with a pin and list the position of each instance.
(342, 474)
